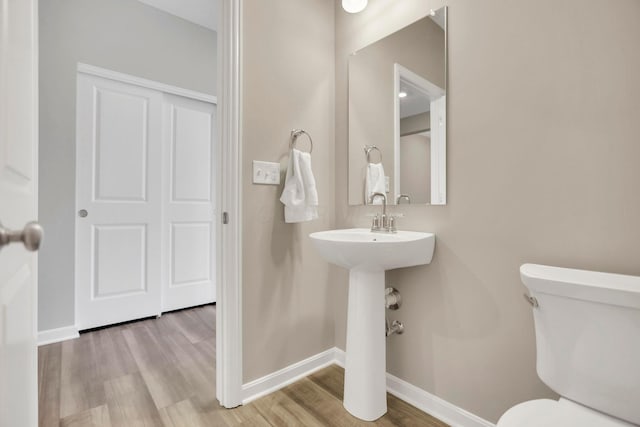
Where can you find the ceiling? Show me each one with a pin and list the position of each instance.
(201, 12)
(416, 101)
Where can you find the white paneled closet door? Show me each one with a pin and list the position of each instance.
(145, 201)
(119, 202)
(189, 210)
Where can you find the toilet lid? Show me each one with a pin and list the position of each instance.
(552, 413)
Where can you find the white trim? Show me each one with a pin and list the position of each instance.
(424, 85)
(396, 133)
(433, 405)
(438, 119)
(51, 336)
(425, 401)
(282, 378)
(35, 82)
(149, 84)
(229, 281)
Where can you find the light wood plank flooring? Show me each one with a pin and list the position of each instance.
(161, 372)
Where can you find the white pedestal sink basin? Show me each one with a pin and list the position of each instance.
(367, 255)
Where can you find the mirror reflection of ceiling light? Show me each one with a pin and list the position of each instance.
(402, 95)
(354, 6)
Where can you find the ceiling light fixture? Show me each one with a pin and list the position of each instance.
(402, 95)
(354, 6)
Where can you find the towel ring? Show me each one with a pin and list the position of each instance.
(368, 149)
(294, 137)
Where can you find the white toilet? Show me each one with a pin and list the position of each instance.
(588, 349)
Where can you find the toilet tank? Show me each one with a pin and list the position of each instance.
(588, 336)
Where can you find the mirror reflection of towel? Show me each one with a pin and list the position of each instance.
(300, 196)
(375, 182)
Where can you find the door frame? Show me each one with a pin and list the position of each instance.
(146, 83)
(438, 135)
(229, 290)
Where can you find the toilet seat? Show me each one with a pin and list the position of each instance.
(552, 413)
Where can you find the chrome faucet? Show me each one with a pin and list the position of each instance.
(403, 196)
(382, 224)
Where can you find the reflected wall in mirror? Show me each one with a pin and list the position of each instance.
(397, 116)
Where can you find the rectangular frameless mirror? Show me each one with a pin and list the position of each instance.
(397, 115)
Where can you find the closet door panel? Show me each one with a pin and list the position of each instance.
(118, 202)
(189, 209)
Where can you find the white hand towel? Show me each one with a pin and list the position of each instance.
(375, 182)
(300, 196)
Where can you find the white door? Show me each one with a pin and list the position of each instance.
(18, 204)
(119, 202)
(188, 252)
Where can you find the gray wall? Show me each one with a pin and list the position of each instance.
(415, 124)
(543, 149)
(288, 82)
(415, 167)
(121, 35)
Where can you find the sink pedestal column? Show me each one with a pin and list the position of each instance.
(365, 384)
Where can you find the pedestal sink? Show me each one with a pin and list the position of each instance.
(367, 255)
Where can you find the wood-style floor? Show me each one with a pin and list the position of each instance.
(161, 372)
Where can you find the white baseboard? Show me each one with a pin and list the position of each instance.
(339, 356)
(423, 400)
(51, 336)
(433, 405)
(282, 378)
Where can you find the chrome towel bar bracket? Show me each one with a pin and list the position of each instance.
(367, 151)
(294, 137)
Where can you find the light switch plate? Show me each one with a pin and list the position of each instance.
(266, 173)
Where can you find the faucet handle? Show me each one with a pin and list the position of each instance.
(391, 224)
(375, 224)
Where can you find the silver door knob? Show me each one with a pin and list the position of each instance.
(30, 236)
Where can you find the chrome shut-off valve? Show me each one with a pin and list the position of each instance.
(392, 299)
(396, 327)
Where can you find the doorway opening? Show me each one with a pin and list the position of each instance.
(132, 201)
